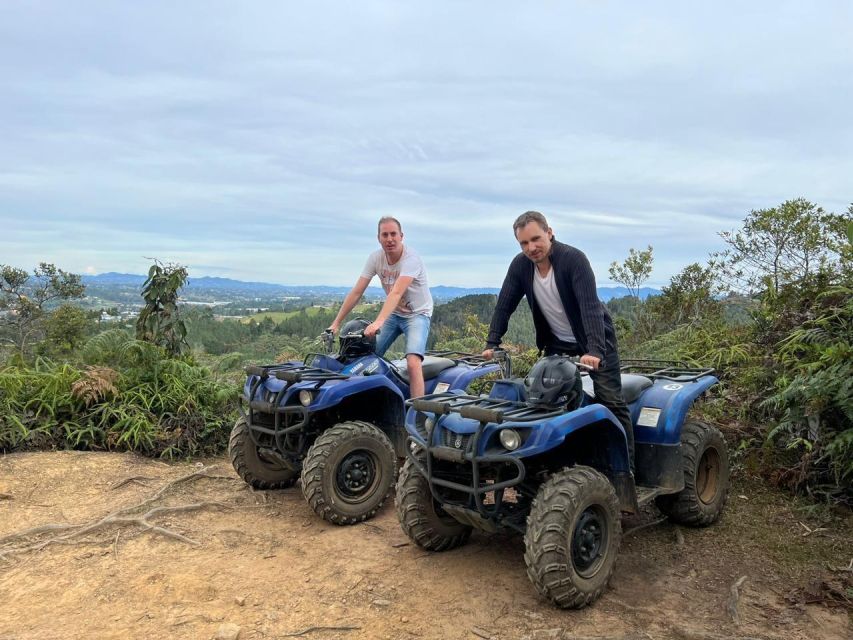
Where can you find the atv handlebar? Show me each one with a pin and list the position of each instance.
(504, 362)
(327, 338)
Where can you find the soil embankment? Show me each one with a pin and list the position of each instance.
(227, 558)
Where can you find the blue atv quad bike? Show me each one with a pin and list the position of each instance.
(337, 420)
(542, 458)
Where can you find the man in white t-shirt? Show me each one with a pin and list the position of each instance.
(407, 309)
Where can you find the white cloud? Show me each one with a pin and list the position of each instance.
(263, 141)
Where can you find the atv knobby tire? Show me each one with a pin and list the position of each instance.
(573, 536)
(250, 465)
(348, 472)
(706, 477)
(422, 518)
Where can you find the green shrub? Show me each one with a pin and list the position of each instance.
(814, 398)
(131, 396)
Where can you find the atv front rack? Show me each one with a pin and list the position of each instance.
(674, 370)
(291, 373)
(484, 410)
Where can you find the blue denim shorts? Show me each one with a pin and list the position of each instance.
(415, 328)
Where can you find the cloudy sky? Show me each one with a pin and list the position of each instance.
(262, 140)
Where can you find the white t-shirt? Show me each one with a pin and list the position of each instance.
(416, 298)
(548, 299)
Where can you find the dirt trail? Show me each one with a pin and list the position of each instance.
(269, 566)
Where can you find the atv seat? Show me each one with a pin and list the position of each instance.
(633, 386)
(432, 366)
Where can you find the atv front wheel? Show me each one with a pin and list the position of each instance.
(348, 472)
(422, 518)
(256, 469)
(706, 477)
(573, 536)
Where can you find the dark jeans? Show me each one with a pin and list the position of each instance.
(607, 386)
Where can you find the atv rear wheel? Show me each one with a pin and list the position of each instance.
(706, 477)
(348, 472)
(422, 518)
(257, 470)
(573, 536)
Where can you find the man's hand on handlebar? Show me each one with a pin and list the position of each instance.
(590, 362)
(372, 329)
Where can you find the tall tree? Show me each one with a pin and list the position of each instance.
(783, 244)
(634, 271)
(159, 321)
(691, 294)
(25, 301)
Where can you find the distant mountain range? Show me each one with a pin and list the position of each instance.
(226, 286)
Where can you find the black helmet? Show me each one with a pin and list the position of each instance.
(554, 381)
(352, 340)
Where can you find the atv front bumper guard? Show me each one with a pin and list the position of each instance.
(477, 489)
(283, 423)
(485, 411)
(281, 428)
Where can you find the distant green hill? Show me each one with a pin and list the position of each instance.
(450, 320)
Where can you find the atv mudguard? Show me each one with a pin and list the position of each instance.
(538, 437)
(659, 412)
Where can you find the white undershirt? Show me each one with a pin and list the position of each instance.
(548, 299)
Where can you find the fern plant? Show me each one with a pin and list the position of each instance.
(815, 401)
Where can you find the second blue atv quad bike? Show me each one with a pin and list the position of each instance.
(336, 421)
(543, 459)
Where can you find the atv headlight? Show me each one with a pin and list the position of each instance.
(510, 439)
(306, 397)
(429, 423)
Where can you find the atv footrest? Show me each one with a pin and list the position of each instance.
(647, 494)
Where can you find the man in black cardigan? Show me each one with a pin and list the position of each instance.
(567, 314)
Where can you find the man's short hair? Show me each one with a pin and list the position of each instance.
(526, 218)
(385, 219)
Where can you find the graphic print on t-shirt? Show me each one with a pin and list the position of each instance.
(416, 298)
(388, 277)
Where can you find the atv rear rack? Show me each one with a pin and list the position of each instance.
(674, 370)
(480, 408)
(460, 356)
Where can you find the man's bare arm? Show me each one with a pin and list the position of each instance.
(350, 301)
(394, 297)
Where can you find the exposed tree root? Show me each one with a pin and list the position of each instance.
(313, 629)
(126, 516)
(734, 599)
(137, 479)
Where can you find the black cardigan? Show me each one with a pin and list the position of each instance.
(575, 281)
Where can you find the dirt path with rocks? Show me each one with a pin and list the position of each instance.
(230, 561)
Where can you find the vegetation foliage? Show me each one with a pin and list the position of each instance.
(132, 396)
